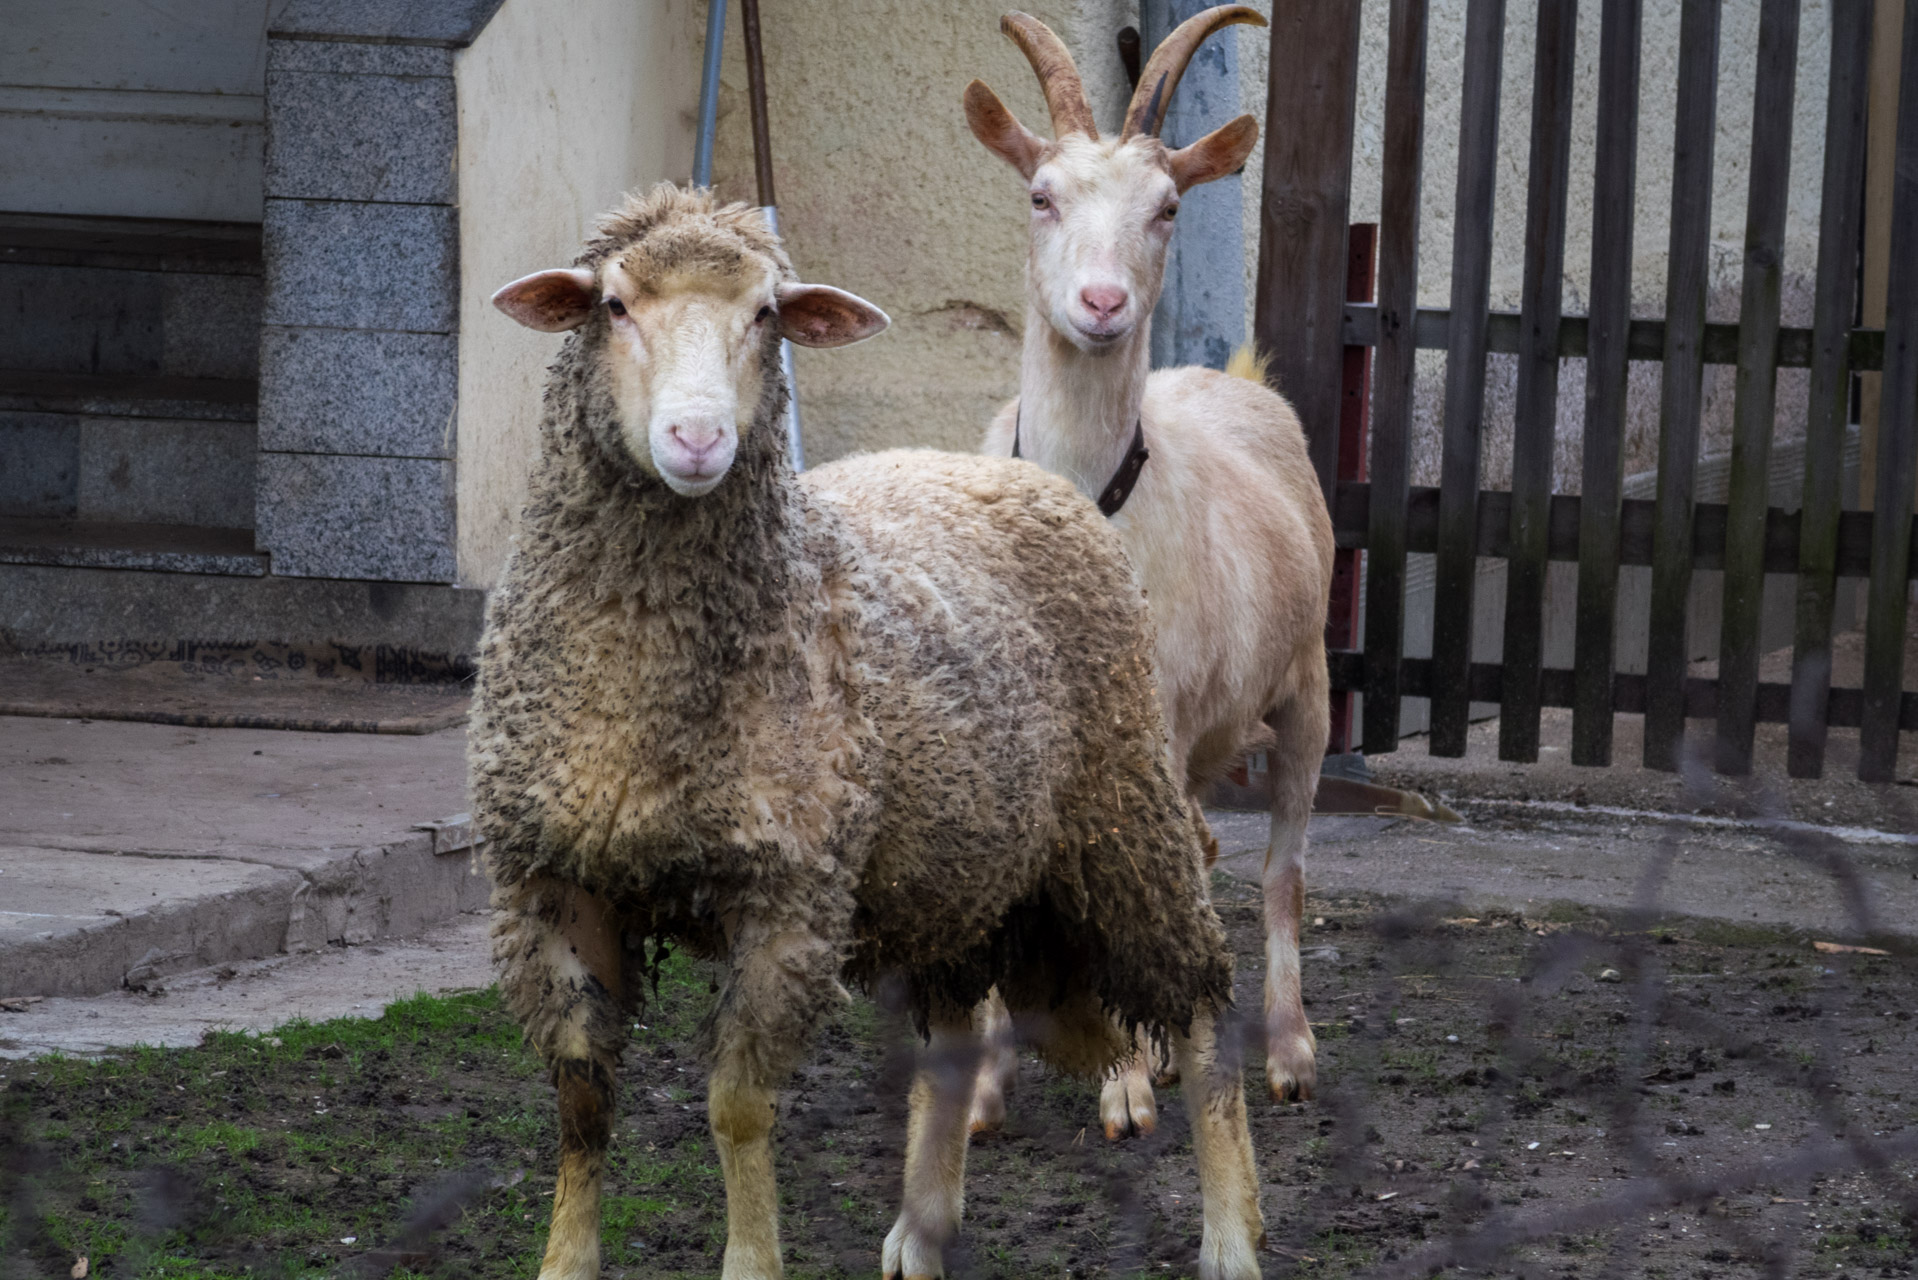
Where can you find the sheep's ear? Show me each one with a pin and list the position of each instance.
(550, 301)
(1003, 135)
(1219, 153)
(818, 315)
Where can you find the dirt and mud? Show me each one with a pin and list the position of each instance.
(1575, 1095)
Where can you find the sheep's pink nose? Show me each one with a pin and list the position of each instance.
(1103, 300)
(696, 441)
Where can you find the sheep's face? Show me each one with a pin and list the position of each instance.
(1102, 215)
(683, 358)
(684, 353)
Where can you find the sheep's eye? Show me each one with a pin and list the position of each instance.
(1170, 212)
(615, 306)
(1039, 200)
(764, 312)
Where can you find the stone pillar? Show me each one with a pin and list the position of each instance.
(1201, 315)
(359, 360)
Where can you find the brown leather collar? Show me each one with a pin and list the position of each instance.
(1119, 488)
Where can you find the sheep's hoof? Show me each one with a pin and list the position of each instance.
(1291, 1067)
(1126, 1107)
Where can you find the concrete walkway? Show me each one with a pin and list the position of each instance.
(157, 881)
(132, 851)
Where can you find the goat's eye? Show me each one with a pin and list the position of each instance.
(615, 306)
(1039, 200)
(764, 312)
(1170, 212)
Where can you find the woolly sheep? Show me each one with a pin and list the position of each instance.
(895, 717)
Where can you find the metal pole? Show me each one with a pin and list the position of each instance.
(1200, 318)
(709, 94)
(763, 171)
(794, 449)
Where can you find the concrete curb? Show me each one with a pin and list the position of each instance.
(146, 917)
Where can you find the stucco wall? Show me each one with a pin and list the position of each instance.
(884, 192)
(563, 105)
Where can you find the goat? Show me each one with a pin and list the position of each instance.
(1226, 527)
(893, 717)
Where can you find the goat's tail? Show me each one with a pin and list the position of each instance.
(1248, 362)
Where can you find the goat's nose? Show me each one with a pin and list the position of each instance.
(1103, 300)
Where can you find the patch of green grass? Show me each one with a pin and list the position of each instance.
(220, 1135)
(1730, 933)
(253, 1155)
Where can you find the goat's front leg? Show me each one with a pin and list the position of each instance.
(560, 955)
(1228, 1179)
(1291, 1065)
(936, 1133)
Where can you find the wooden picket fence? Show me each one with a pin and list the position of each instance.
(1304, 319)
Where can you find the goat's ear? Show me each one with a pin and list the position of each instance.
(1219, 153)
(818, 315)
(550, 301)
(1003, 135)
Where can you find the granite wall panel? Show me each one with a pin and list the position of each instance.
(358, 391)
(335, 516)
(362, 266)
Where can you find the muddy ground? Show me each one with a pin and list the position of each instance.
(1568, 1096)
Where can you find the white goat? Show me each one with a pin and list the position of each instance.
(1227, 529)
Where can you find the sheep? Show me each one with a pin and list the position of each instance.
(893, 717)
(1226, 527)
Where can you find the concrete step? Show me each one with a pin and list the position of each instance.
(129, 395)
(129, 852)
(101, 544)
(115, 295)
(125, 449)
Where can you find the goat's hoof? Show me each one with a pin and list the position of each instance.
(988, 1112)
(909, 1257)
(1291, 1068)
(1234, 1259)
(1126, 1107)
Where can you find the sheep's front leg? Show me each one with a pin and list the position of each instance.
(783, 980)
(559, 949)
(741, 1111)
(936, 1131)
(1228, 1179)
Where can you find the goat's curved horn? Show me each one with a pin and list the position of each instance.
(1058, 76)
(1146, 113)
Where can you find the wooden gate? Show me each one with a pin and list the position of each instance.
(1303, 319)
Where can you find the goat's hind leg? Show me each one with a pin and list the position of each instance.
(998, 1064)
(936, 1132)
(560, 955)
(1126, 1104)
